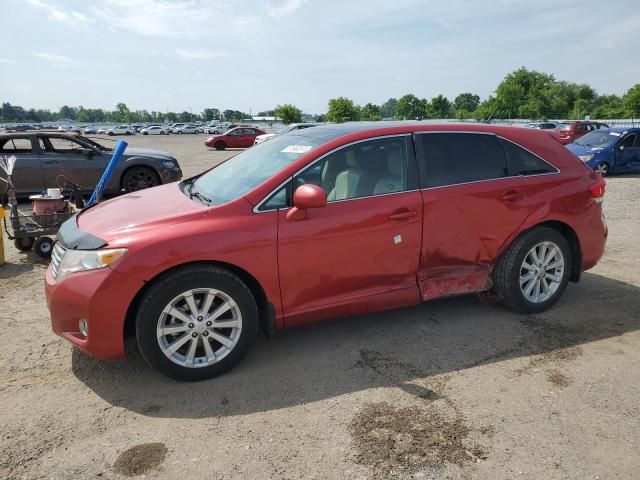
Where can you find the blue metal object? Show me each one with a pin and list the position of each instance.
(603, 148)
(96, 196)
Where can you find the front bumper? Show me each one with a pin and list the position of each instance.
(101, 297)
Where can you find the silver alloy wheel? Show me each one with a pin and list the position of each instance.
(541, 272)
(199, 327)
(602, 169)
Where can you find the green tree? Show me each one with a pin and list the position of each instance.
(388, 108)
(440, 107)
(287, 113)
(122, 113)
(370, 112)
(466, 102)
(410, 107)
(209, 114)
(342, 109)
(67, 112)
(632, 101)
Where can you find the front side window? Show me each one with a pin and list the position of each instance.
(454, 158)
(628, 141)
(247, 170)
(364, 169)
(64, 145)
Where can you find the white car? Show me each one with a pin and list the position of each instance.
(290, 128)
(119, 130)
(186, 128)
(216, 129)
(153, 130)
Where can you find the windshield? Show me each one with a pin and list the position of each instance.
(245, 171)
(565, 126)
(599, 138)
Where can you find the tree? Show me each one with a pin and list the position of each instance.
(267, 113)
(440, 107)
(342, 109)
(466, 101)
(209, 114)
(288, 113)
(388, 108)
(67, 112)
(632, 101)
(370, 112)
(410, 107)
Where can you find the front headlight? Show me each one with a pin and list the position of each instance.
(169, 163)
(586, 158)
(82, 260)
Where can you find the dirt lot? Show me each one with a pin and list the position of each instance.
(454, 388)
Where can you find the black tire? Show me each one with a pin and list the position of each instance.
(43, 246)
(602, 168)
(196, 132)
(179, 132)
(145, 133)
(24, 244)
(506, 274)
(162, 133)
(220, 145)
(111, 134)
(139, 178)
(171, 285)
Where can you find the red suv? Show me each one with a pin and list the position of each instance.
(240, 137)
(568, 132)
(329, 221)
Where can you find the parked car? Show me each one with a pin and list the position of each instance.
(135, 128)
(69, 128)
(240, 137)
(568, 132)
(543, 125)
(290, 128)
(41, 157)
(612, 150)
(186, 128)
(153, 130)
(215, 129)
(119, 130)
(88, 130)
(334, 220)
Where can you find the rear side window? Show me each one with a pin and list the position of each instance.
(454, 158)
(523, 162)
(16, 145)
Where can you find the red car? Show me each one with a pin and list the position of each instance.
(330, 221)
(239, 137)
(568, 132)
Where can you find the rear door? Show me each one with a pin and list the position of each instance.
(67, 157)
(27, 174)
(471, 208)
(361, 251)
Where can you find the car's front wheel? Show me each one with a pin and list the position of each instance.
(196, 322)
(602, 168)
(139, 178)
(534, 271)
(220, 145)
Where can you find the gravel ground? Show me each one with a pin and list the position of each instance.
(454, 388)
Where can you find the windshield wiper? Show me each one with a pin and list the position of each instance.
(197, 194)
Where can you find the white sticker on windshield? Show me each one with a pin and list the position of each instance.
(297, 149)
(617, 134)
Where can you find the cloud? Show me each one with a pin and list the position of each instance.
(284, 8)
(7, 60)
(197, 54)
(55, 58)
(54, 13)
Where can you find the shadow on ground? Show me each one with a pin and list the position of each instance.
(382, 350)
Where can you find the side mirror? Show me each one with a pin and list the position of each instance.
(87, 151)
(305, 197)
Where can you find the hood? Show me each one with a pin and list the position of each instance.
(584, 149)
(146, 152)
(151, 208)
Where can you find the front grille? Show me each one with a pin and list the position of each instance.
(56, 258)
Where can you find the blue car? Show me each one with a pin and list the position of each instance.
(610, 150)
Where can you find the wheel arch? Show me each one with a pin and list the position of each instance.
(136, 165)
(266, 315)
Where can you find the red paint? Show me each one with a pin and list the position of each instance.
(339, 258)
(575, 131)
(235, 138)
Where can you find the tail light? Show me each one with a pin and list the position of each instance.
(597, 190)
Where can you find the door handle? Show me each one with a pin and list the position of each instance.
(51, 161)
(403, 215)
(512, 195)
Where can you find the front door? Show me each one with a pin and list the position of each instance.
(628, 154)
(66, 158)
(361, 251)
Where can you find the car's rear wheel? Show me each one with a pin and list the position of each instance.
(24, 244)
(220, 145)
(196, 322)
(602, 168)
(139, 178)
(533, 273)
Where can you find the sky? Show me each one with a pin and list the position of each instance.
(251, 55)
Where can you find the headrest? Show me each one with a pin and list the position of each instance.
(394, 163)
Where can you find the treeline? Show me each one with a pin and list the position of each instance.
(521, 94)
